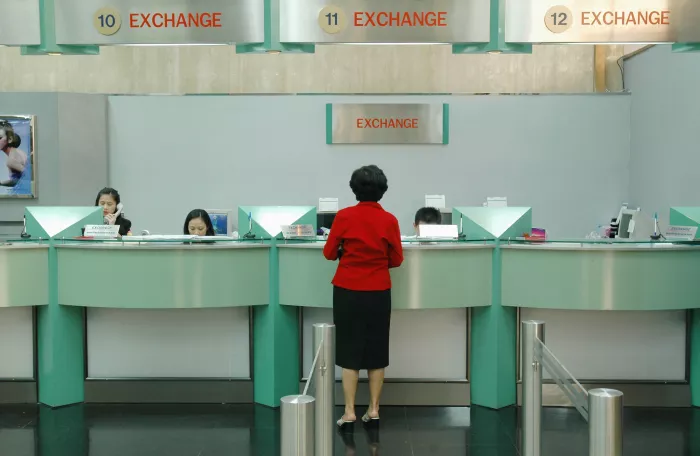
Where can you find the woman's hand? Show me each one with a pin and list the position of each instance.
(111, 218)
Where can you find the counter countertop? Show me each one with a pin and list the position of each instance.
(162, 246)
(23, 246)
(616, 247)
(414, 246)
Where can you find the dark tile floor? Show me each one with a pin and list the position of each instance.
(241, 430)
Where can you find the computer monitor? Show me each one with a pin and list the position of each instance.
(634, 224)
(222, 220)
(325, 219)
(445, 216)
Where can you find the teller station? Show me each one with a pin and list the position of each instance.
(161, 320)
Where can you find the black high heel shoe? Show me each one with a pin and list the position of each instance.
(345, 426)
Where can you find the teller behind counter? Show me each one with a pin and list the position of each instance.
(198, 223)
(112, 209)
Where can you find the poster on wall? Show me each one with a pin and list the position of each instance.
(17, 156)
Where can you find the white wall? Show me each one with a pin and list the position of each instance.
(665, 132)
(565, 155)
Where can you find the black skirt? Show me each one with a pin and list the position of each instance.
(362, 320)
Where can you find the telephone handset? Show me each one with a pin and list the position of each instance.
(120, 208)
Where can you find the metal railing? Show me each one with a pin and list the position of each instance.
(307, 421)
(601, 407)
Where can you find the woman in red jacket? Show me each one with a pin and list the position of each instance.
(367, 240)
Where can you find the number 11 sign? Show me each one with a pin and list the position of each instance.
(385, 21)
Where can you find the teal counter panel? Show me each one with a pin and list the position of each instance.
(163, 277)
(431, 277)
(601, 277)
(24, 275)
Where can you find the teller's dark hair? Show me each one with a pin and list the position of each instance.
(199, 213)
(108, 191)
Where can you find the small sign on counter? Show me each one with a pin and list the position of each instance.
(298, 231)
(680, 233)
(398, 123)
(101, 231)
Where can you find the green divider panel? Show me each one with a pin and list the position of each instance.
(493, 328)
(497, 44)
(272, 35)
(685, 47)
(60, 330)
(275, 327)
(685, 216)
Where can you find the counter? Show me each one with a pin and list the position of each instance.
(23, 286)
(209, 320)
(449, 275)
(24, 272)
(164, 310)
(615, 312)
(431, 294)
(149, 275)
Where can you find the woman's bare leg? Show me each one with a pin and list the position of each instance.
(350, 378)
(376, 381)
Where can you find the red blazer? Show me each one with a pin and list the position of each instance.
(371, 242)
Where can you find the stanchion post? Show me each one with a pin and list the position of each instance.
(324, 337)
(605, 422)
(531, 411)
(297, 423)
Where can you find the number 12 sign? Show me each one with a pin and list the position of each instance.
(603, 21)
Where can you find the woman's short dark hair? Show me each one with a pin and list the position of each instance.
(108, 191)
(369, 183)
(199, 213)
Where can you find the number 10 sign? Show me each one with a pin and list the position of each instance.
(107, 21)
(90, 22)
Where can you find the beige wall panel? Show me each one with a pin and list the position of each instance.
(336, 69)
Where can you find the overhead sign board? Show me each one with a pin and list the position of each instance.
(602, 21)
(20, 24)
(387, 124)
(83, 22)
(385, 21)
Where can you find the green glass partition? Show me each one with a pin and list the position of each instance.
(60, 330)
(275, 327)
(493, 328)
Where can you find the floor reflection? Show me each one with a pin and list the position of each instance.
(241, 430)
